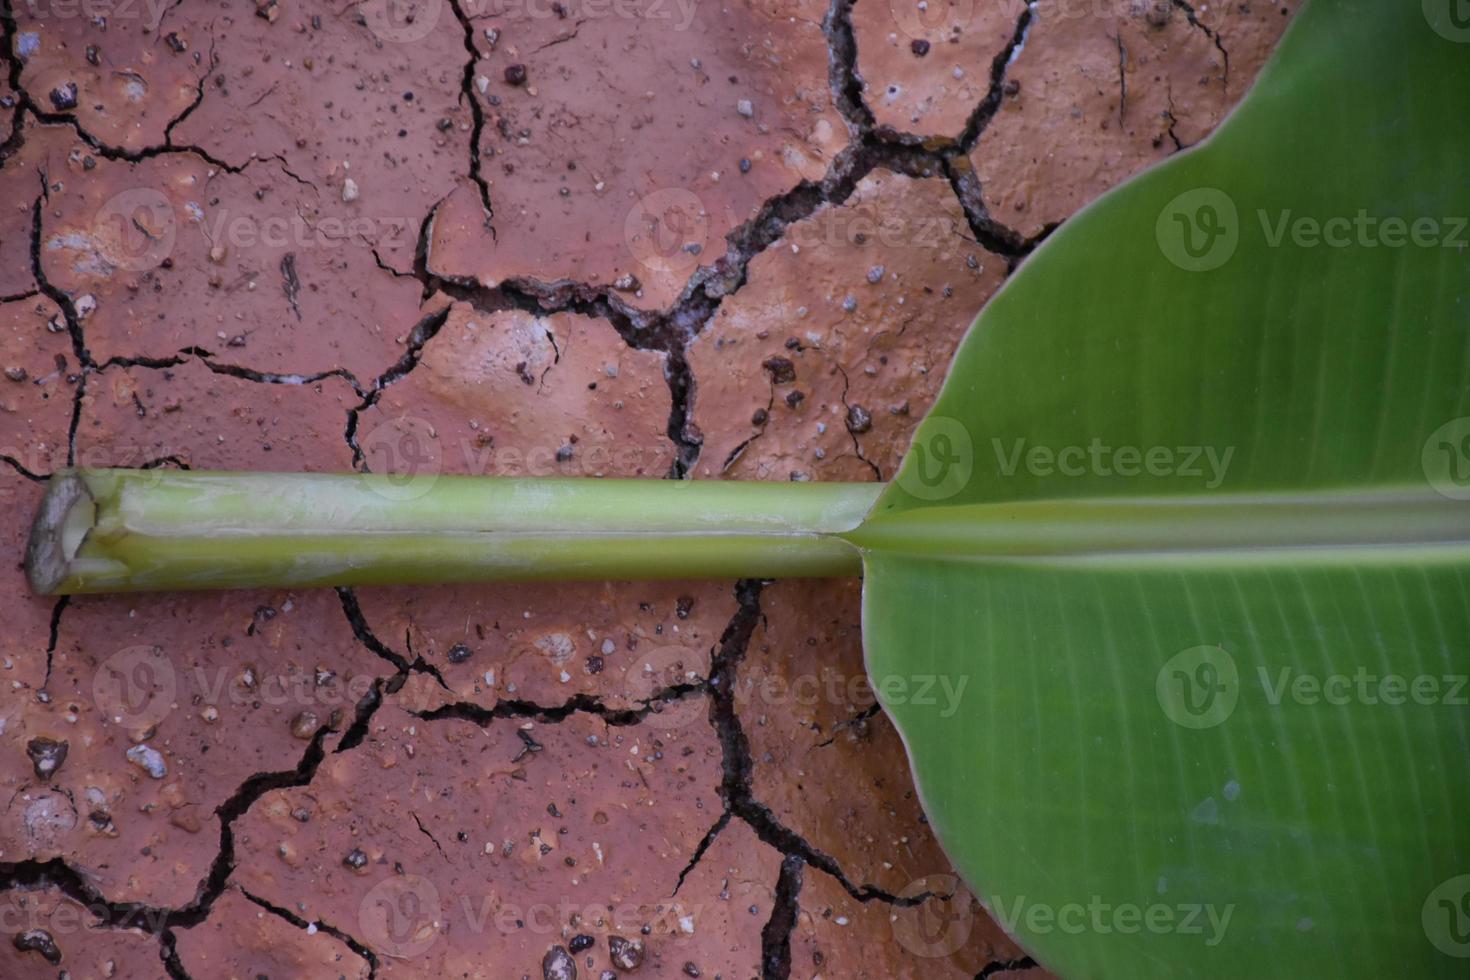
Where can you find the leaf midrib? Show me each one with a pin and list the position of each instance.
(1358, 525)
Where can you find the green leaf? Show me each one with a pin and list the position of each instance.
(1186, 539)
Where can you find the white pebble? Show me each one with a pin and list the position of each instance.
(148, 759)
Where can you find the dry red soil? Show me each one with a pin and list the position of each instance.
(663, 238)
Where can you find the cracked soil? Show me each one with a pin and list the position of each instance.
(659, 238)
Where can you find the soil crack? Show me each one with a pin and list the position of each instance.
(735, 786)
(477, 112)
(554, 713)
(361, 949)
(776, 936)
(1002, 966)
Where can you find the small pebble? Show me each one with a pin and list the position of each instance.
(46, 756)
(459, 653)
(64, 97)
(781, 370)
(919, 47)
(875, 274)
(355, 859)
(858, 420)
(40, 941)
(516, 75)
(558, 964)
(745, 108)
(304, 725)
(148, 759)
(626, 954)
(349, 189)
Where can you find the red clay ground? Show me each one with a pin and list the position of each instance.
(666, 238)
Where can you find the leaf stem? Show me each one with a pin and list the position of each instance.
(144, 530)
